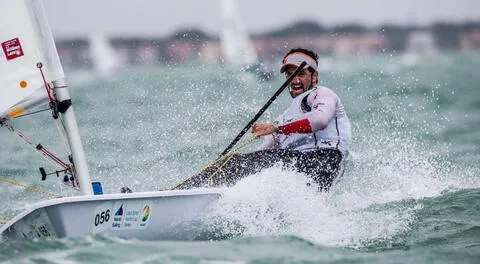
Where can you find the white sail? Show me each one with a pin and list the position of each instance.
(104, 58)
(421, 42)
(237, 48)
(25, 41)
(37, 98)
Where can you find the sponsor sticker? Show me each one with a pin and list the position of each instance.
(131, 215)
(145, 216)
(118, 214)
(12, 49)
(122, 215)
(35, 225)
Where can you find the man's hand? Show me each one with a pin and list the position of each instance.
(262, 129)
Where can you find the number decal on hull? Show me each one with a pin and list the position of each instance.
(102, 217)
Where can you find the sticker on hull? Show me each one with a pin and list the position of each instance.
(35, 225)
(126, 214)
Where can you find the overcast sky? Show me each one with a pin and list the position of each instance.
(162, 17)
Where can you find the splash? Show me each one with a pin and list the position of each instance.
(375, 203)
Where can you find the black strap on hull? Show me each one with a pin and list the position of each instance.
(321, 165)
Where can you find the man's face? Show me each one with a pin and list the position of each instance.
(302, 82)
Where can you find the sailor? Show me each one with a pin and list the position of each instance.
(312, 136)
(316, 119)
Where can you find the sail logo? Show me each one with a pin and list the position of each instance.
(12, 49)
(119, 212)
(118, 217)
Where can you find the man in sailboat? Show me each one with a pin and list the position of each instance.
(316, 119)
(312, 136)
(316, 122)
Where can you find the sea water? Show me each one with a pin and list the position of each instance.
(410, 192)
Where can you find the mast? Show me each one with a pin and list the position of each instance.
(55, 73)
(74, 139)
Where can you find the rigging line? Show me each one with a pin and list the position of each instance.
(230, 156)
(61, 130)
(49, 90)
(31, 188)
(47, 87)
(219, 168)
(213, 164)
(53, 157)
(40, 150)
(27, 142)
(60, 124)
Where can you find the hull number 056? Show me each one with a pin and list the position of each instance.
(102, 217)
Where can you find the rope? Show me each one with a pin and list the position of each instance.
(39, 149)
(61, 125)
(31, 188)
(225, 157)
(219, 168)
(45, 83)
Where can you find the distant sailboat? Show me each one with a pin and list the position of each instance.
(104, 58)
(419, 43)
(237, 48)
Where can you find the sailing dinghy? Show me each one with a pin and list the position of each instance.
(237, 48)
(104, 57)
(31, 75)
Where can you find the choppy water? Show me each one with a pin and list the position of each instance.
(411, 193)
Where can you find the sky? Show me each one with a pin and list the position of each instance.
(162, 18)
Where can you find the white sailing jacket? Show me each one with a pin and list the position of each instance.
(329, 123)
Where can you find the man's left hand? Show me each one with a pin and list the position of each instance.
(262, 129)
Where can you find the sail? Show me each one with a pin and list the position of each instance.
(104, 58)
(37, 98)
(237, 48)
(25, 40)
(421, 42)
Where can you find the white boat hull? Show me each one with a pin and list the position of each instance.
(163, 215)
